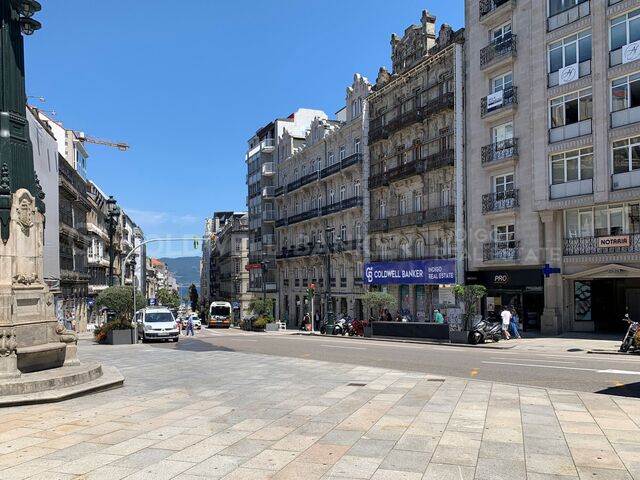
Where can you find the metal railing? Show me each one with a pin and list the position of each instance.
(379, 225)
(509, 97)
(507, 250)
(592, 245)
(444, 158)
(355, 201)
(502, 150)
(498, 201)
(488, 6)
(438, 104)
(497, 49)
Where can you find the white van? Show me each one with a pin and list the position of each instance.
(156, 323)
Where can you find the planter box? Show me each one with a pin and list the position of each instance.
(461, 336)
(122, 337)
(272, 327)
(368, 331)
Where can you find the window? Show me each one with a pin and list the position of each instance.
(343, 233)
(304, 170)
(238, 244)
(570, 50)
(625, 92)
(356, 188)
(559, 6)
(503, 183)
(402, 205)
(356, 145)
(384, 252)
(571, 108)
(626, 155)
(505, 236)
(501, 34)
(318, 164)
(625, 29)
(502, 132)
(354, 109)
(382, 209)
(331, 196)
(572, 166)
(405, 251)
(343, 191)
(419, 248)
(331, 158)
(503, 82)
(358, 231)
(342, 152)
(295, 174)
(417, 201)
(603, 221)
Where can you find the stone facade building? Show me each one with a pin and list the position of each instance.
(554, 134)
(320, 222)
(229, 257)
(415, 178)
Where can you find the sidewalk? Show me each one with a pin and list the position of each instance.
(247, 416)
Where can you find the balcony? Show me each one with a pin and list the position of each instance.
(595, 246)
(568, 15)
(268, 192)
(571, 189)
(440, 214)
(268, 240)
(279, 191)
(406, 220)
(352, 202)
(445, 158)
(500, 201)
(584, 69)
(498, 101)
(281, 222)
(498, 49)
(268, 169)
(499, 151)
(572, 130)
(378, 225)
(301, 217)
(269, 216)
(487, 7)
(378, 133)
(625, 117)
(268, 144)
(496, 251)
(397, 173)
(620, 181)
(440, 103)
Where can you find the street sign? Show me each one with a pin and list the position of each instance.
(547, 270)
(152, 302)
(252, 266)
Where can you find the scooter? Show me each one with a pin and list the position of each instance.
(627, 343)
(356, 327)
(484, 330)
(341, 327)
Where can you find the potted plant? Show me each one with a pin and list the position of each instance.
(376, 302)
(262, 308)
(470, 296)
(118, 329)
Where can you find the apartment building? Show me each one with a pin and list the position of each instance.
(552, 121)
(262, 159)
(205, 262)
(415, 177)
(320, 223)
(229, 258)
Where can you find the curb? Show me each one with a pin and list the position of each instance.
(611, 352)
(404, 340)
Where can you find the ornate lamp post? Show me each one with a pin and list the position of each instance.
(113, 214)
(328, 238)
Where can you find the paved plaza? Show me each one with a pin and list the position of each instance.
(191, 414)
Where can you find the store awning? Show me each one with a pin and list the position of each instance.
(612, 270)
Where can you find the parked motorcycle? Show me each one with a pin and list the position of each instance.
(341, 327)
(356, 327)
(484, 330)
(627, 343)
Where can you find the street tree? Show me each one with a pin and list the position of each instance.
(119, 299)
(378, 301)
(168, 297)
(470, 296)
(262, 308)
(193, 297)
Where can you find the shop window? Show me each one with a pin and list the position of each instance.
(582, 301)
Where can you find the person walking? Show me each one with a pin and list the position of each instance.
(190, 326)
(438, 317)
(514, 323)
(179, 322)
(506, 320)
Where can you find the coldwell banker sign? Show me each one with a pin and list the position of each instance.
(420, 272)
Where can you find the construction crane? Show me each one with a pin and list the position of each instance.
(83, 138)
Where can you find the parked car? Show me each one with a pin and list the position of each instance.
(197, 324)
(156, 323)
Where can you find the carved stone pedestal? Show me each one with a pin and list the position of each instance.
(8, 356)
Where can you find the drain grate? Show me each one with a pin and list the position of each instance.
(435, 379)
(355, 384)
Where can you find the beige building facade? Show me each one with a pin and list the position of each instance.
(415, 141)
(319, 201)
(554, 159)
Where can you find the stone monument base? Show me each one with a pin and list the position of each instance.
(58, 384)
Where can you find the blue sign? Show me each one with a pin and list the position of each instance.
(152, 302)
(419, 272)
(548, 270)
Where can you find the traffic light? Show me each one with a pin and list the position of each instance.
(311, 291)
(195, 243)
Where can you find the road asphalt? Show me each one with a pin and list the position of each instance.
(568, 366)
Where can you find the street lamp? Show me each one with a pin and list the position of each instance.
(264, 266)
(328, 238)
(27, 8)
(113, 214)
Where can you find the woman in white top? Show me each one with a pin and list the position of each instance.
(506, 320)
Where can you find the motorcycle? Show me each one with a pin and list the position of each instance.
(484, 330)
(627, 342)
(356, 327)
(341, 327)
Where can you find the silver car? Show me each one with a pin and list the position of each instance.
(197, 324)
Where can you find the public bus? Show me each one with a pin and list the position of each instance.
(220, 314)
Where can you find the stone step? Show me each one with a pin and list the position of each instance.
(110, 378)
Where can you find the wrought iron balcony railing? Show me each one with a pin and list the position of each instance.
(499, 201)
(490, 104)
(507, 250)
(497, 49)
(629, 243)
(502, 150)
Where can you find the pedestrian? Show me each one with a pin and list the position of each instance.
(398, 317)
(514, 323)
(316, 318)
(179, 322)
(438, 317)
(190, 326)
(506, 320)
(306, 320)
(387, 316)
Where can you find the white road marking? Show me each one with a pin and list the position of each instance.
(243, 340)
(617, 372)
(533, 360)
(341, 346)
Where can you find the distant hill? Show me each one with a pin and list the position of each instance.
(185, 269)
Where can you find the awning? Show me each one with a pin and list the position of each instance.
(612, 270)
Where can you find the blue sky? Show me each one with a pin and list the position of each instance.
(187, 88)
